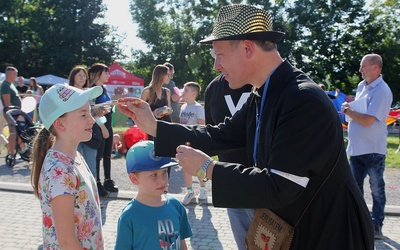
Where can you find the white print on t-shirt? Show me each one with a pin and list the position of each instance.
(232, 108)
(168, 238)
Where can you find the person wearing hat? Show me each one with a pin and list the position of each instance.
(302, 177)
(60, 177)
(151, 220)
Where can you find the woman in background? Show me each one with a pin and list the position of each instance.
(98, 75)
(156, 95)
(78, 77)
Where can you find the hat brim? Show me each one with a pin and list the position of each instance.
(272, 36)
(152, 168)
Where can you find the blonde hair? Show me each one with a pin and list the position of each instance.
(41, 143)
(156, 82)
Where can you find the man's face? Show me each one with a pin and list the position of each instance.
(12, 74)
(229, 60)
(367, 70)
(20, 81)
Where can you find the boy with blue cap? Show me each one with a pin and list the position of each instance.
(152, 219)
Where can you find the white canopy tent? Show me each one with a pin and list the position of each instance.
(50, 80)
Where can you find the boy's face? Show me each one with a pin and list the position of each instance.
(188, 94)
(151, 183)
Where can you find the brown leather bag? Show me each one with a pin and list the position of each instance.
(268, 231)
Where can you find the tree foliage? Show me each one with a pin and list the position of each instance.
(326, 39)
(51, 36)
(172, 30)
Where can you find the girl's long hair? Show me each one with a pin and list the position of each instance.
(41, 143)
(35, 84)
(156, 82)
(75, 70)
(95, 72)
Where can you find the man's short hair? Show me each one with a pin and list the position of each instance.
(264, 45)
(11, 68)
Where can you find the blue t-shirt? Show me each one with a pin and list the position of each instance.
(144, 227)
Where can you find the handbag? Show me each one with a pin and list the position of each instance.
(96, 141)
(268, 231)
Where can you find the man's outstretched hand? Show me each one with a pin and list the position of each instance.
(140, 112)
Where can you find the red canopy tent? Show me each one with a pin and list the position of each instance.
(123, 83)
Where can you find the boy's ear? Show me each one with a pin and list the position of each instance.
(133, 178)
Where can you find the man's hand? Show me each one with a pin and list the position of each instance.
(190, 159)
(140, 112)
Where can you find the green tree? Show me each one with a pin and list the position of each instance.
(172, 30)
(383, 29)
(325, 39)
(51, 36)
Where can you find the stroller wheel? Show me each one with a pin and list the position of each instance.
(25, 155)
(10, 160)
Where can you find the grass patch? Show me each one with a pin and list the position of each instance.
(120, 129)
(392, 159)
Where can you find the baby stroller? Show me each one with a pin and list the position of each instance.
(25, 132)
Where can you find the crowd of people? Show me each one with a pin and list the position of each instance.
(259, 117)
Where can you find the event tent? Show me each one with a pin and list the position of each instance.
(123, 83)
(50, 80)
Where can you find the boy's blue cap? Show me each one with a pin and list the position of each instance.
(141, 157)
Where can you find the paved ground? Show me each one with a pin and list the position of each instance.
(20, 221)
(21, 171)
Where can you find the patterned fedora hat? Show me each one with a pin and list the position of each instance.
(243, 22)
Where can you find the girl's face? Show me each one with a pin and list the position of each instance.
(78, 124)
(152, 183)
(80, 79)
(31, 83)
(104, 76)
(166, 78)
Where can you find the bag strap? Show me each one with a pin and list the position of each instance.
(330, 173)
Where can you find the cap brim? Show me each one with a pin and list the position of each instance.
(171, 164)
(272, 36)
(85, 96)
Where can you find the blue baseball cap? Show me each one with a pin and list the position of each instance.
(141, 157)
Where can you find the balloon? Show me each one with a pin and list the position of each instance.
(177, 91)
(28, 104)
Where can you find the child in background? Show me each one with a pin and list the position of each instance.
(192, 113)
(152, 220)
(119, 147)
(60, 177)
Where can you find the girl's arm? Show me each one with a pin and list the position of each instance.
(104, 131)
(145, 95)
(41, 90)
(201, 121)
(64, 221)
(168, 97)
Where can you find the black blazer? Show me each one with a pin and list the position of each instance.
(301, 135)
